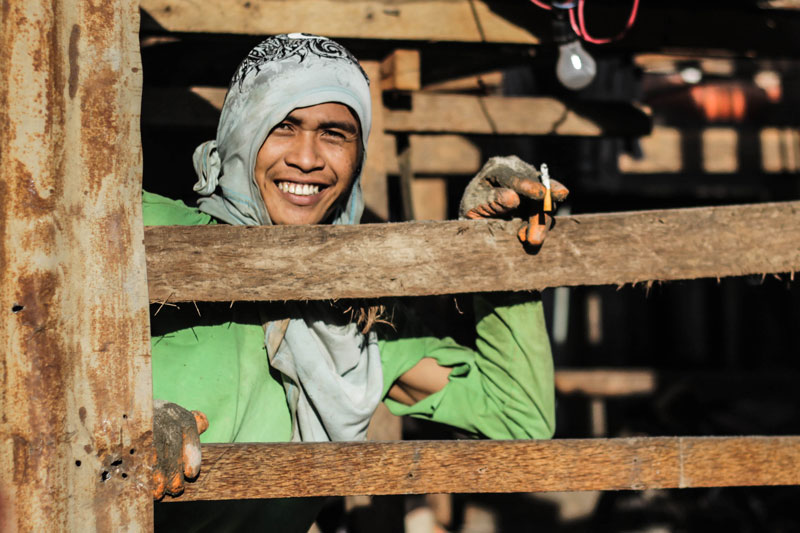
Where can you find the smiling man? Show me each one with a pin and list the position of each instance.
(308, 163)
(290, 147)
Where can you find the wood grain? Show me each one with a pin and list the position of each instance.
(422, 258)
(436, 155)
(515, 115)
(451, 20)
(417, 467)
(400, 71)
(657, 28)
(373, 178)
(432, 113)
(605, 382)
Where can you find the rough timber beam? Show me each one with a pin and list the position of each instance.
(452, 20)
(769, 31)
(76, 395)
(422, 258)
(514, 115)
(435, 113)
(424, 467)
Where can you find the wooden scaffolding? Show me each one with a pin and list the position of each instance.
(78, 271)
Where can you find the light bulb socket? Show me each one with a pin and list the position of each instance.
(562, 31)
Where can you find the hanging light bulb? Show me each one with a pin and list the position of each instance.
(575, 68)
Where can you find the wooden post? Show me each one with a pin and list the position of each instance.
(75, 388)
(373, 179)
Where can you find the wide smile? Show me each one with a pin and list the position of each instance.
(301, 194)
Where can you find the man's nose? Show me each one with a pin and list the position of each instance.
(304, 153)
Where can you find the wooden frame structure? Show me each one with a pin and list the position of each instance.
(75, 392)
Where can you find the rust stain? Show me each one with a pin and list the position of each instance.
(8, 518)
(27, 192)
(100, 128)
(41, 341)
(74, 37)
(101, 14)
(71, 72)
(20, 454)
(55, 104)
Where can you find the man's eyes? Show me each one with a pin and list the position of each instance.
(331, 134)
(336, 134)
(283, 126)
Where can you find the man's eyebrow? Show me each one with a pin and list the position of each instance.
(348, 127)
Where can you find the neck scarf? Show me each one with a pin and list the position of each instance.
(332, 374)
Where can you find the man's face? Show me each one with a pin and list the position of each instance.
(308, 162)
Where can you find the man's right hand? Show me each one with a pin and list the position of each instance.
(176, 435)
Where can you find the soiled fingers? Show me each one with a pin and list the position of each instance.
(534, 189)
(492, 202)
(535, 230)
(177, 444)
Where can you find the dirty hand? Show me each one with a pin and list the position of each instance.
(176, 435)
(495, 191)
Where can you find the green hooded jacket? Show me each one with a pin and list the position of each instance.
(216, 362)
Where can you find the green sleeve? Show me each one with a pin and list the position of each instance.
(161, 211)
(504, 390)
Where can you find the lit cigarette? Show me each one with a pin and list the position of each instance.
(548, 198)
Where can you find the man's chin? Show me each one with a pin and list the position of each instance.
(298, 219)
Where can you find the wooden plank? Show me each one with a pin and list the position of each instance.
(449, 20)
(779, 4)
(373, 179)
(605, 382)
(436, 155)
(433, 113)
(515, 115)
(413, 259)
(76, 394)
(491, 82)
(718, 151)
(429, 197)
(401, 71)
(657, 28)
(420, 467)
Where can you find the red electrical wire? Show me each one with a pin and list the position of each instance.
(578, 22)
(581, 26)
(542, 4)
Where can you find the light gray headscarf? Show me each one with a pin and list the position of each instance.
(332, 374)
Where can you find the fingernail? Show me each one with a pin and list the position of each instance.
(176, 484)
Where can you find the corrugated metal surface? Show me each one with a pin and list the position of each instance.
(75, 393)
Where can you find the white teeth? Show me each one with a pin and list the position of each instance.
(300, 189)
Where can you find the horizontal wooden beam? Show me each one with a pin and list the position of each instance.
(423, 467)
(605, 382)
(453, 20)
(436, 155)
(480, 21)
(423, 258)
(515, 115)
(433, 113)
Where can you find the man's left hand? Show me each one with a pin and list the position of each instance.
(495, 191)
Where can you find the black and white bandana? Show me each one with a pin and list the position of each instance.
(285, 46)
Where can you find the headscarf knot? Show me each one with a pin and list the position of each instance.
(207, 165)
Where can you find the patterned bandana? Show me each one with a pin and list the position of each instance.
(332, 374)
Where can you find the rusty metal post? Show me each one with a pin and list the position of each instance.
(75, 385)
